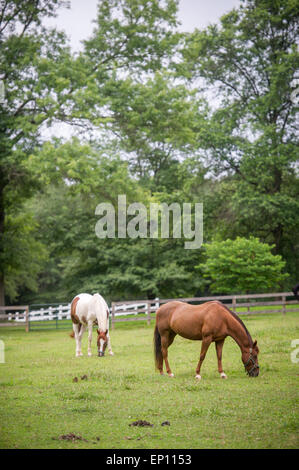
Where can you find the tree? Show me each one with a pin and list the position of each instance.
(77, 259)
(158, 121)
(242, 266)
(24, 256)
(44, 84)
(129, 89)
(250, 62)
(26, 50)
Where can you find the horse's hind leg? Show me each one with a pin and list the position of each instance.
(78, 336)
(219, 346)
(76, 328)
(82, 329)
(109, 345)
(206, 341)
(166, 341)
(89, 352)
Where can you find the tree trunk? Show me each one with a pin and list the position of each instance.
(2, 293)
(278, 234)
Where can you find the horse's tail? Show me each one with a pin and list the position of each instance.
(157, 347)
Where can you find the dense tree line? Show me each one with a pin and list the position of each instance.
(160, 116)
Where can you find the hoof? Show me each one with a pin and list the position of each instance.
(111, 353)
(171, 375)
(79, 354)
(89, 354)
(223, 375)
(198, 377)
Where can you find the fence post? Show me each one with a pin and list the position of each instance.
(284, 305)
(234, 305)
(148, 312)
(113, 315)
(60, 312)
(27, 319)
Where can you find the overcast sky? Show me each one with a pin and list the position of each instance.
(77, 21)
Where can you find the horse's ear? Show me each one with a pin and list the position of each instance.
(98, 331)
(254, 344)
(106, 332)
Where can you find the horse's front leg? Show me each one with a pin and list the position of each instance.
(89, 353)
(109, 345)
(219, 346)
(206, 341)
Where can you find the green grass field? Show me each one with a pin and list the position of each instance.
(40, 402)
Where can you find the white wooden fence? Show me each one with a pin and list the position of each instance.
(25, 314)
(15, 314)
(54, 312)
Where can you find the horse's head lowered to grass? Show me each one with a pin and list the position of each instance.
(250, 360)
(102, 342)
(101, 309)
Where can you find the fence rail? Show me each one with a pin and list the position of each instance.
(52, 316)
(15, 314)
(148, 306)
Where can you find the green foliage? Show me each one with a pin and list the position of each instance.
(23, 256)
(119, 268)
(242, 266)
(44, 84)
(158, 121)
(251, 60)
(30, 100)
(138, 99)
(132, 35)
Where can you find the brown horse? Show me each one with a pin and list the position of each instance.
(211, 321)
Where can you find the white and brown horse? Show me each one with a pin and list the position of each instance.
(87, 310)
(209, 322)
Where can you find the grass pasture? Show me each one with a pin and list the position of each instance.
(40, 401)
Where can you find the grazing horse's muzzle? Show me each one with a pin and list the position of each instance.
(102, 342)
(251, 367)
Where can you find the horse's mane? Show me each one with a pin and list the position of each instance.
(238, 319)
(97, 298)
